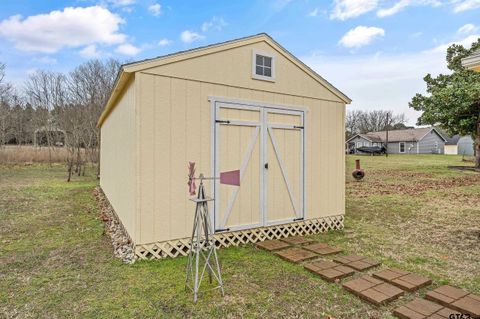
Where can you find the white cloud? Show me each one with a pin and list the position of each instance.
(72, 27)
(127, 9)
(380, 81)
(188, 36)
(466, 42)
(465, 5)
(164, 42)
(128, 49)
(121, 3)
(467, 29)
(215, 23)
(402, 4)
(346, 9)
(90, 51)
(155, 9)
(361, 36)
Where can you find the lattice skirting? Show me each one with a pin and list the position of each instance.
(180, 247)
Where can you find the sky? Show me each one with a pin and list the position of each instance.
(375, 51)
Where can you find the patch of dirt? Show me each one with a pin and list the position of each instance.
(465, 168)
(412, 188)
(123, 247)
(398, 173)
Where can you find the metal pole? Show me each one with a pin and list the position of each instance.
(197, 260)
(386, 145)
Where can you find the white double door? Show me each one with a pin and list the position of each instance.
(267, 145)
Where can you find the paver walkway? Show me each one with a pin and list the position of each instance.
(373, 290)
(403, 279)
(323, 249)
(296, 255)
(382, 286)
(421, 308)
(297, 240)
(272, 245)
(329, 270)
(356, 262)
(457, 299)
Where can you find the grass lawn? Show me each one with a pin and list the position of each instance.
(410, 212)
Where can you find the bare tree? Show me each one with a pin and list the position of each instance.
(90, 85)
(372, 121)
(5, 110)
(352, 122)
(45, 91)
(55, 103)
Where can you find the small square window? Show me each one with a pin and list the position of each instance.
(262, 62)
(263, 67)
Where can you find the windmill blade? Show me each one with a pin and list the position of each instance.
(191, 178)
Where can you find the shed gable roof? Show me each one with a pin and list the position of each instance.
(129, 69)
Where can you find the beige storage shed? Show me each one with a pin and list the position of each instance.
(244, 104)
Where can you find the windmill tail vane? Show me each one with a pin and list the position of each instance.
(226, 178)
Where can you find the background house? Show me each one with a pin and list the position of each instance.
(244, 104)
(426, 140)
(459, 145)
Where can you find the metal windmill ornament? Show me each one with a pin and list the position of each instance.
(202, 255)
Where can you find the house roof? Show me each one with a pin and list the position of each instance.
(370, 138)
(453, 140)
(408, 135)
(127, 70)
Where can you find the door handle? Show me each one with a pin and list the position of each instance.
(266, 165)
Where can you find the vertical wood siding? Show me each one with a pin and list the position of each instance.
(118, 160)
(175, 127)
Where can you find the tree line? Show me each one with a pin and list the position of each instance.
(54, 108)
(361, 122)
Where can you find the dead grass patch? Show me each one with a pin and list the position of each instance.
(413, 186)
(11, 154)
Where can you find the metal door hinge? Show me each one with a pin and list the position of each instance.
(266, 165)
(300, 127)
(222, 121)
(297, 219)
